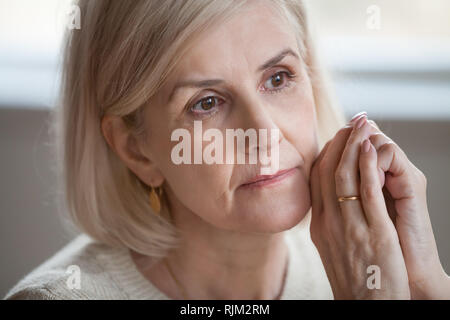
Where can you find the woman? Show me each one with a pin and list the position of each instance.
(154, 229)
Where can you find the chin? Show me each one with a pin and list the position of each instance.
(271, 218)
(286, 219)
(272, 210)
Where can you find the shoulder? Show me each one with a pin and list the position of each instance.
(74, 272)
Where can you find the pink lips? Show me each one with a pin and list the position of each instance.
(265, 180)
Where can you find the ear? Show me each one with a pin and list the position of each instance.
(130, 150)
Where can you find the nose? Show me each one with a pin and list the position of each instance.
(255, 113)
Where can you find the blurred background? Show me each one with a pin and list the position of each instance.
(390, 58)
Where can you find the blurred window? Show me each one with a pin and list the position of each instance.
(391, 58)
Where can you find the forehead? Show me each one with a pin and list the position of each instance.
(249, 38)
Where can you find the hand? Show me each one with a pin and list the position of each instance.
(405, 195)
(353, 235)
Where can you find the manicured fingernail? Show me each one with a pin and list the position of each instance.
(361, 122)
(366, 145)
(357, 116)
(354, 121)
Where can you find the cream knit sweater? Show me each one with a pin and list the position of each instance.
(110, 273)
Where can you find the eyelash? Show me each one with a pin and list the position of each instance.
(290, 76)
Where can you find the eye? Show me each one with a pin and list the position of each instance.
(278, 81)
(205, 106)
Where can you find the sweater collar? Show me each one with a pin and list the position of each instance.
(133, 283)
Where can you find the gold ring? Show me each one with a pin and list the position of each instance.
(342, 199)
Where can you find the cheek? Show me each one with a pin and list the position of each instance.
(202, 188)
(300, 127)
(297, 106)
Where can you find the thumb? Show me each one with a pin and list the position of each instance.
(400, 180)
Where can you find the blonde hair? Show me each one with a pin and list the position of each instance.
(114, 64)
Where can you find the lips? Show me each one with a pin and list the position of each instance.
(265, 179)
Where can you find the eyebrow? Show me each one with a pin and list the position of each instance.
(212, 82)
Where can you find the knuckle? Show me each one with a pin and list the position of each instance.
(356, 234)
(388, 146)
(369, 192)
(376, 135)
(381, 242)
(421, 176)
(380, 137)
(374, 124)
(342, 176)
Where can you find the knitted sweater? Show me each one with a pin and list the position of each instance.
(110, 273)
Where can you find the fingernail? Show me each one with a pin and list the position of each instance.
(355, 120)
(351, 123)
(361, 122)
(366, 145)
(358, 115)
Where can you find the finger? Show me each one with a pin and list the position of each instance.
(327, 168)
(371, 193)
(316, 195)
(347, 176)
(322, 152)
(374, 125)
(393, 160)
(317, 232)
(378, 140)
(357, 116)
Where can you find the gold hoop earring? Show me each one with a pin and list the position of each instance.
(155, 201)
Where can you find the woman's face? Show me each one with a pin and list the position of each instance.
(250, 94)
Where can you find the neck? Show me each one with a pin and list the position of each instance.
(217, 264)
(213, 263)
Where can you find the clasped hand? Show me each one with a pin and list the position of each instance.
(388, 227)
